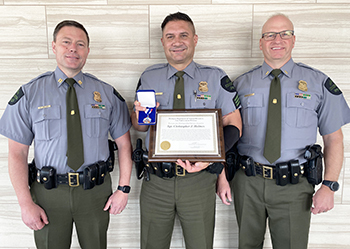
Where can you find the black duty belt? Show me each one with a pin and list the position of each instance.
(269, 171)
(169, 169)
(92, 175)
(284, 173)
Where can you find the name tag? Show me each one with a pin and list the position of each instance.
(44, 106)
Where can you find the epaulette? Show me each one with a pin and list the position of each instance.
(41, 76)
(95, 78)
(155, 67)
(300, 64)
(251, 70)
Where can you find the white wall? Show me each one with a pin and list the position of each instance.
(125, 39)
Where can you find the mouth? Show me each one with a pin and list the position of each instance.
(72, 57)
(177, 50)
(277, 48)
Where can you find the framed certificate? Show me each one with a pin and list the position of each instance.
(190, 134)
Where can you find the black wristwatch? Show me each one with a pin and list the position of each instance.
(334, 186)
(125, 189)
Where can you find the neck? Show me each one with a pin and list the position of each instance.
(180, 67)
(276, 64)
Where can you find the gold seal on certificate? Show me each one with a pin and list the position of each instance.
(165, 145)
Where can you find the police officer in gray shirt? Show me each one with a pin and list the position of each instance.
(282, 189)
(61, 195)
(191, 194)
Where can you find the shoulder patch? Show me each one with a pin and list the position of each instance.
(332, 87)
(118, 95)
(227, 84)
(18, 95)
(237, 101)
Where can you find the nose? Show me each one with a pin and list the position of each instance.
(177, 40)
(72, 48)
(278, 37)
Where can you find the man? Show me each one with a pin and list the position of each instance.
(274, 183)
(67, 190)
(191, 196)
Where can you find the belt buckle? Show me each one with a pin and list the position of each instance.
(178, 172)
(267, 169)
(73, 179)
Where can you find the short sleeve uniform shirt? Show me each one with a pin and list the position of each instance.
(37, 113)
(206, 87)
(309, 100)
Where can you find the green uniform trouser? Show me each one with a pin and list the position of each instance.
(191, 197)
(287, 209)
(66, 205)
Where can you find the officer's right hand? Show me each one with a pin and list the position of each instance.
(34, 216)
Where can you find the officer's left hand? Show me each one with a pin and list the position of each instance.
(192, 167)
(116, 202)
(223, 189)
(323, 200)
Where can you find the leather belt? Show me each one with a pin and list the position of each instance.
(169, 169)
(269, 171)
(92, 175)
(166, 169)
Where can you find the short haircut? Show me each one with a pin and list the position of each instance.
(178, 16)
(69, 23)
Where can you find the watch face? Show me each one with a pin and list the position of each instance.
(124, 189)
(334, 186)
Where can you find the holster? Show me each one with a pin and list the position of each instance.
(137, 157)
(314, 167)
(232, 163)
(31, 173)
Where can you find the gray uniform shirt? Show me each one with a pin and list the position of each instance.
(38, 112)
(206, 87)
(309, 98)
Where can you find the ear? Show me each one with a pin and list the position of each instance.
(54, 47)
(195, 39)
(260, 46)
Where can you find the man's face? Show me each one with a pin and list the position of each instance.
(71, 50)
(278, 51)
(179, 42)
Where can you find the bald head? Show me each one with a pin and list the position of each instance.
(276, 23)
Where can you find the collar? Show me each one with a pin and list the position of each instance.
(189, 70)
(286, 69)
(61, 77)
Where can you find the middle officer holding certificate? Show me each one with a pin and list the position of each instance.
(186, 189)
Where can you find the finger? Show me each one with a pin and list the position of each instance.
(108, 205)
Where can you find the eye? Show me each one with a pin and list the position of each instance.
(288, 33)
(169, 37)
(184, 35)
(270, 35)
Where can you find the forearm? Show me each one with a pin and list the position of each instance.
(333, 155)
(124, 158)
(18, 171)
